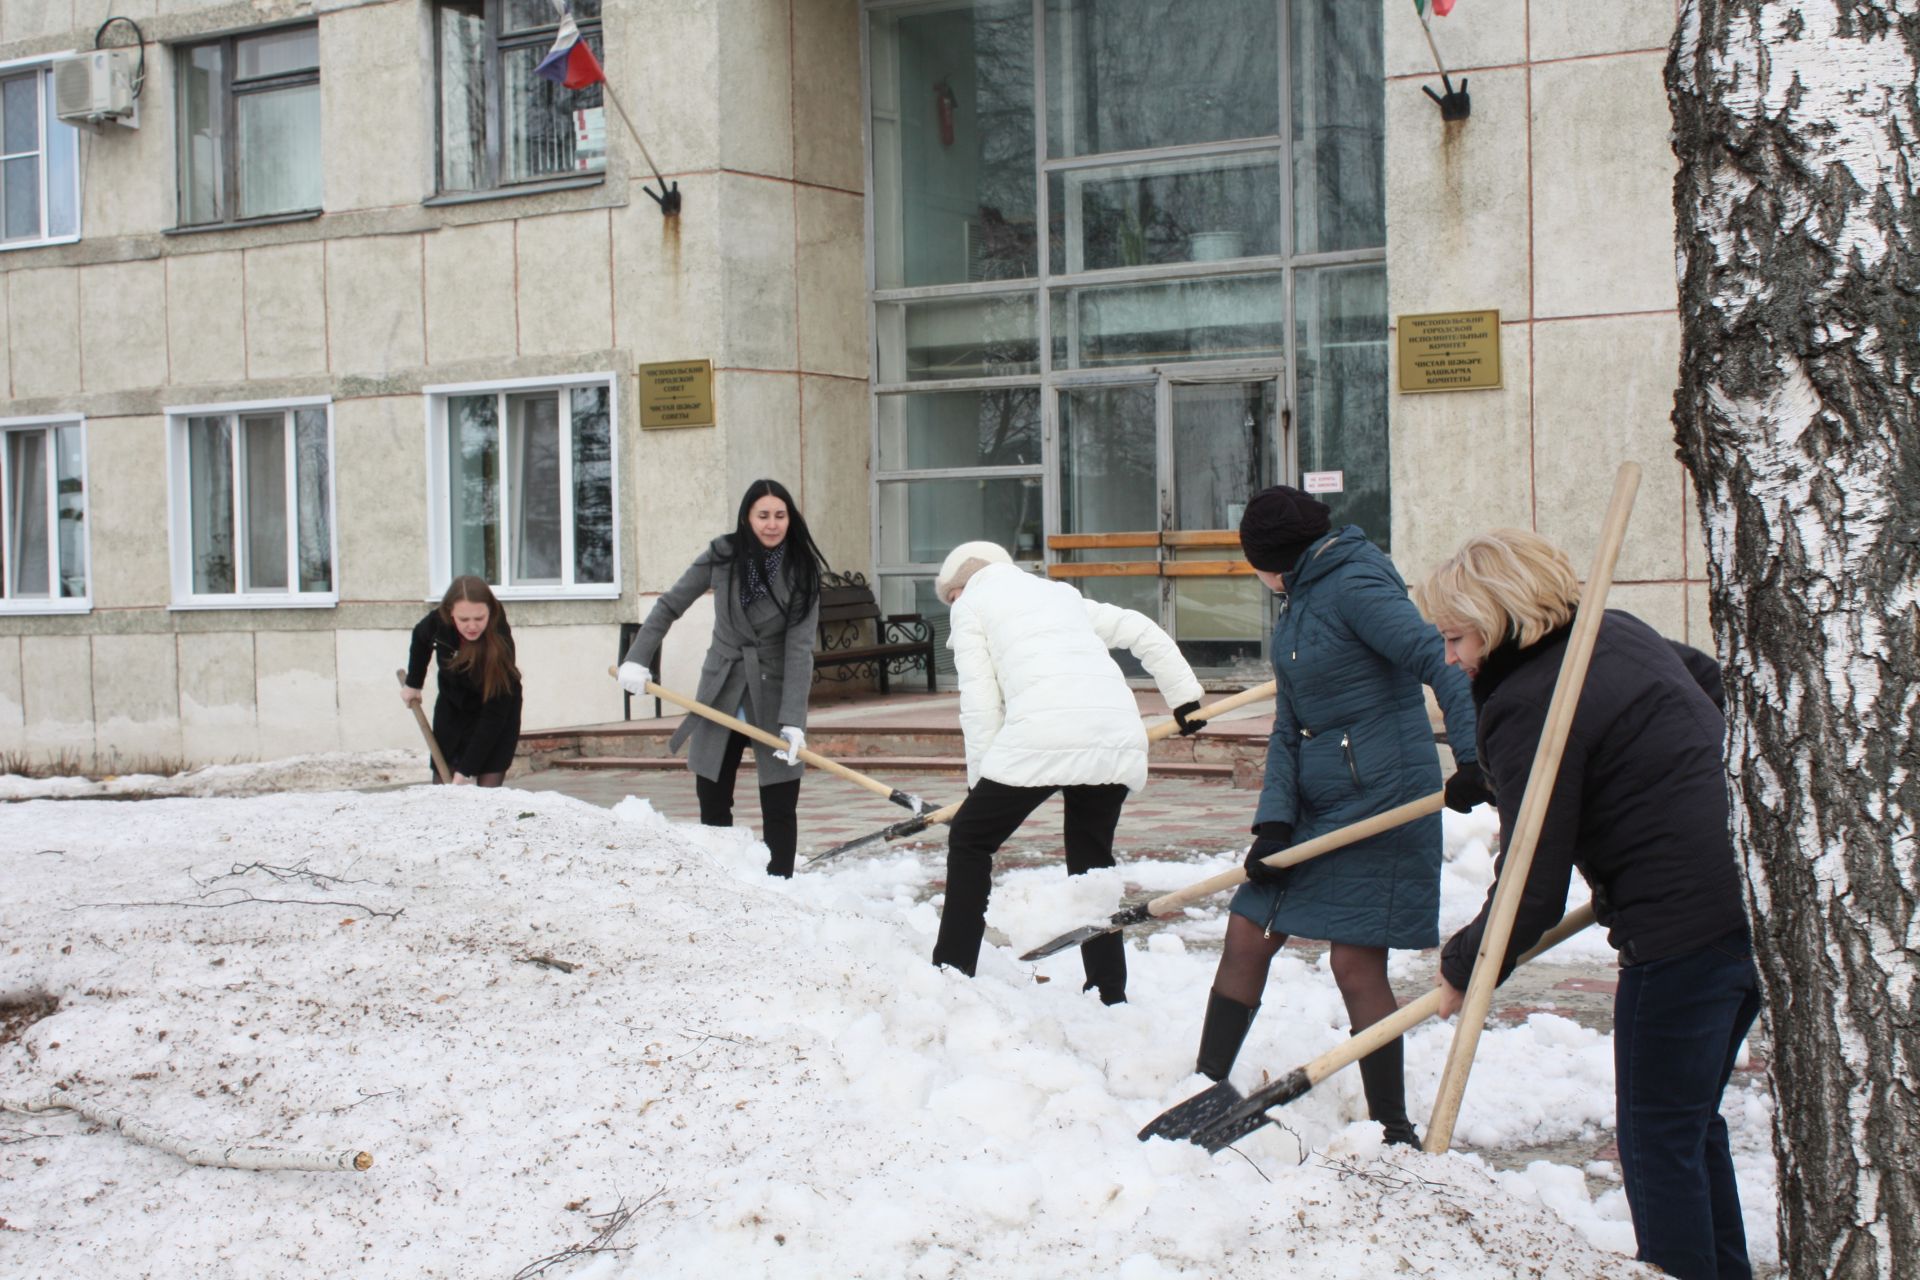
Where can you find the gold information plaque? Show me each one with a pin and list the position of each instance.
(676, 393)
(1449, 351)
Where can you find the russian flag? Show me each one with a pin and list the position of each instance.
(570, 63)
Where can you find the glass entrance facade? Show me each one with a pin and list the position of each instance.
(1126, 265)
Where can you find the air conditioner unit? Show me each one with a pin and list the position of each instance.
(95, 87)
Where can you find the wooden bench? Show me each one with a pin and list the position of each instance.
(858, 641)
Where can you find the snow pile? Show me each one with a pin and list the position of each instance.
(328, 771)
(771, 1072)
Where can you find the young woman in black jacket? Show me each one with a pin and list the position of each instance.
(476, 719)
(1640, 808)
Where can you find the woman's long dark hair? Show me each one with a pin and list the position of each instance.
(488, 661)
(802, 563)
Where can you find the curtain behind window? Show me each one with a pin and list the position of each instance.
(264, 457)
(279, 147)
(533, 445)
(210, 497)
(27, 501)
(473, 471)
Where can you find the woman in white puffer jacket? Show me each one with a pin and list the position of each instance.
(1044, 708)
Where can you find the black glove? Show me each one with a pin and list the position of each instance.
(1187, 727)
(1269, 838)
(1467, 788)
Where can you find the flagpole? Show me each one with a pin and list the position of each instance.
(669, 197)
(1427, 27)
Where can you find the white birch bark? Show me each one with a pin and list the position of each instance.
(1798, 135)
(215, 1154)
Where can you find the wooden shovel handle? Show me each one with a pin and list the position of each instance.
(760, 735)
(426, 731)
(1350, 834)
(1233, 702)
(1411, 1015)
(1533, 812)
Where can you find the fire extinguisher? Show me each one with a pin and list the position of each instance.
(944, 104)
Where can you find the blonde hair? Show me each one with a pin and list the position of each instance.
(1505, 584)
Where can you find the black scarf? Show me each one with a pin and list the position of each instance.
(762, 569)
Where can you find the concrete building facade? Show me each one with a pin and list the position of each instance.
(344, 315)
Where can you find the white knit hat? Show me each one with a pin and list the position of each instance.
(963, 562)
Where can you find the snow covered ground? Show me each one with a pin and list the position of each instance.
(769, 1073)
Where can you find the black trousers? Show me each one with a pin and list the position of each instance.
(778, 803)
(992, 812)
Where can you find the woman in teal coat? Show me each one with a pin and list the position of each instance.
(1350, 739)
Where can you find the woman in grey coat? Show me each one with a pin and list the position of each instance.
(765, 579)
(1350, 739)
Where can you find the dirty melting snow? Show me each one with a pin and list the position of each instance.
(772, 1071)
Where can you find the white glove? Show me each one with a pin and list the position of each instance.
(796, 743)
(633, 677)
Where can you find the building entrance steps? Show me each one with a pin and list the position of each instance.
(905, 733)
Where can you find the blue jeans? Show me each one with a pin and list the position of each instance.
(1677, 1024)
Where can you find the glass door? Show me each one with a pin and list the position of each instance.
(1152, 478)
(1222, 442)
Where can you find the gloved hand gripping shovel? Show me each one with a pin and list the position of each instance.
(920, 822)
(905, 799)
(1167, 904)
(1216, 1118)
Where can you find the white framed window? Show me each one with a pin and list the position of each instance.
(250, 505)
(521, 487)
(249, 126)
(43, 516)
(39, 161)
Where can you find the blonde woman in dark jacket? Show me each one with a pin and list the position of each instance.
(765, 579)
(1640, 808)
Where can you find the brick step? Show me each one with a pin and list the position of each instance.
(879, 765)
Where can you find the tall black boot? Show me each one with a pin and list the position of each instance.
(1222, 1034)
(1105, 961)
(1383, 1078)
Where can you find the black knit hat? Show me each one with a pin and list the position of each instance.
(1279, 524)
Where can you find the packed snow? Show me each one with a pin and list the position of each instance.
(763, 1077)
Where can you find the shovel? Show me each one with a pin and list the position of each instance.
(1167, 904)
(426, 731)
(920, 822)
(1218, 1117)
(905, 799)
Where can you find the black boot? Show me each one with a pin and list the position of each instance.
(1222, 1034)
(1105, 961)
(1383, 1078)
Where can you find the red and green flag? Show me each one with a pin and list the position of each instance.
(1441, 8)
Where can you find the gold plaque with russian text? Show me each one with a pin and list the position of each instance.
(676, 393)
(1449, 351)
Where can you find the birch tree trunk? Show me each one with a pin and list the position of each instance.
(1798, 136)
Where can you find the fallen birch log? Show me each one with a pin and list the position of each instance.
(212, 1154)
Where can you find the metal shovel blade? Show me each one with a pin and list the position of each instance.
(906, 827)
(1136, 914)
(1085, 933)
(1184, 1120)
(1253, 1113)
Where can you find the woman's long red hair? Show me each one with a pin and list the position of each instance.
(487, 661)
